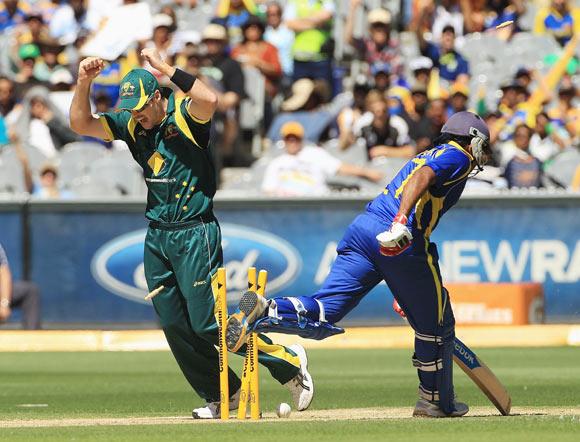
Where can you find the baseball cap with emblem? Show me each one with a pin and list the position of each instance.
(136, 89)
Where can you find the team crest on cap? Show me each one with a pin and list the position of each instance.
(127, 89)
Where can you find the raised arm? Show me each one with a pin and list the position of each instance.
(82, 121)
(349, 25)
(204, 100)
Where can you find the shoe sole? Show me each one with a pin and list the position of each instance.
(237, 324)
(423, 413)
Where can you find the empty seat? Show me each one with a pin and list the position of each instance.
(75, 159)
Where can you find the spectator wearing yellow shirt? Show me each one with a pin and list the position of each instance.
(559, 20)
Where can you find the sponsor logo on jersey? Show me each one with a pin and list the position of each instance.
(118, 265)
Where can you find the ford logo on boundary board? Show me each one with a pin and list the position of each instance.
(118, 264)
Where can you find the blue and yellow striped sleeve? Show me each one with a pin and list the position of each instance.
(451, 166)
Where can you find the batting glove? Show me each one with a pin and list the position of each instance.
(397, 239)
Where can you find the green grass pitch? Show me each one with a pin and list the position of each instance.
(148, 385)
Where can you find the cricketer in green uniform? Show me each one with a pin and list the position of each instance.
(183, 243)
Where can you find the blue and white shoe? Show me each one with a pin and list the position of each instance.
(251, 307)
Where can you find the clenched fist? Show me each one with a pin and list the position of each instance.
(90, 68)
(151, 55)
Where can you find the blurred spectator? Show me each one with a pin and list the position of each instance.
(302, 170)
(61, 94)
(560, 20)
(313, 47)
(9, 107)
(432, 16)
(386, 135)
(232, 14)
(500, 11)
(381, 73)
(549, 140)
(228, 79)
(458, 98)
(306, 106)
(348, 118)
(474, 15)
(46, 128)
(523, 169)
(524, 77)
(70, 20)
(162, 40)
(47, 187)
(18, 294)
(12, 14)
(33, 31)
(379, 46)
(421, 67)
(256, 52)
(421, 129)
(567, 112)
(27, 75)
(451, 64)
(437, 113)
(278, 34)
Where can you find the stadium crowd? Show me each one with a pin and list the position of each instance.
(314, 95)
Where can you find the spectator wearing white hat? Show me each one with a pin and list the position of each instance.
(421, 68)
(379, 46)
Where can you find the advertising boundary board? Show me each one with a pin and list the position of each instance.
(514, 238)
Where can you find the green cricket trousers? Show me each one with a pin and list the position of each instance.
(183, 257)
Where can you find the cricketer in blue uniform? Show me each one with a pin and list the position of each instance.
(390, 241)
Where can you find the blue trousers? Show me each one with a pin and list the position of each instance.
(415, 281)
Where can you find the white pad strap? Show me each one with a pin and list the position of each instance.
(429, 338)
(322, 315)
(428, 366)
(431, 396)
(298, 306)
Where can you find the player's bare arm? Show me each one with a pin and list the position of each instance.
(82, 121)
(398, 238)
(203, 99)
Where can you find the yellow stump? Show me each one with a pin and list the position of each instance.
(219, 289)
(254, 378)
(245, 388)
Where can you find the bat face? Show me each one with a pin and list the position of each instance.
(482, 376)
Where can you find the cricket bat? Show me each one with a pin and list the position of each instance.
(482, 376)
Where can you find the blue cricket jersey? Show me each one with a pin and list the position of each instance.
(451, 164)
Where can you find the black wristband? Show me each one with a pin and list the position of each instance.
(183, 80)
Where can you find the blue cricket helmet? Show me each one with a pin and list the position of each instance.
(466, 124)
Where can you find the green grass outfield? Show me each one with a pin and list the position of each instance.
(71, 386)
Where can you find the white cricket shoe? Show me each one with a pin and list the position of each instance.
(424, 408)
(301, 386)
(212, 409)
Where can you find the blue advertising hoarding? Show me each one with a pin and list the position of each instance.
(88, 259)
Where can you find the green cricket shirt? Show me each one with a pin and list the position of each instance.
(176, 160)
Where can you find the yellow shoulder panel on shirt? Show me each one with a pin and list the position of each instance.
(107, 128)
(193, 117)
(131, 125)
(181, 123)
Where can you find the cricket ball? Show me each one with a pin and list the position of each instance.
(283, 410)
